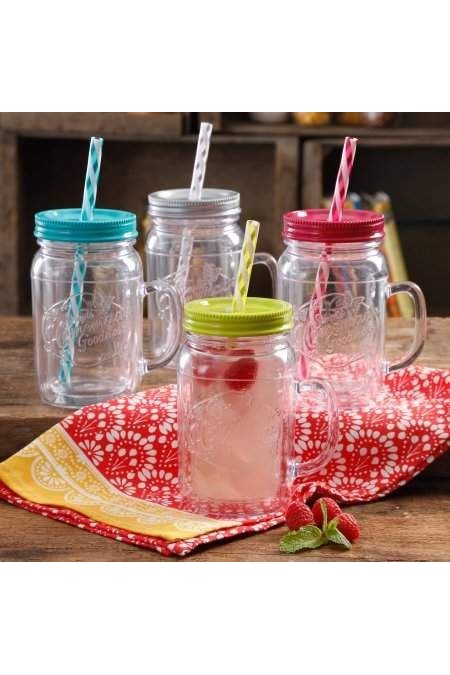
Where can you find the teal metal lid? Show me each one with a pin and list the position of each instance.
(65, 225)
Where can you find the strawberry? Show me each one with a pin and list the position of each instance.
(348, 526)
(331, 506)
(298, 514)
(241, 373)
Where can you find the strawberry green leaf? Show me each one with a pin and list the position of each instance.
(333, 523)
(308, 536)
(337, 537)
(323, 506)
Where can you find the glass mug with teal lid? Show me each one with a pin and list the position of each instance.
(237, 396)
(87, 293)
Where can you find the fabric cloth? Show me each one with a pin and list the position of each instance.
(111, 468)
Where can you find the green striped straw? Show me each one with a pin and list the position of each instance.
(79, 266)
(245, 265)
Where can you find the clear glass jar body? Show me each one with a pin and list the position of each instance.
(340, 335)
(99, 325)
(216, 246)
(236, 423)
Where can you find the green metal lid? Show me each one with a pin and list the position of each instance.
(66, 225)
(214, 316)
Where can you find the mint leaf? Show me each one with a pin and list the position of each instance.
(308, 536)
(333, 534)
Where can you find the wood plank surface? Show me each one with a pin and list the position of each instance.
(411, 525)
(9, 249)
(23, 416)
(109, 124)
(329, 131)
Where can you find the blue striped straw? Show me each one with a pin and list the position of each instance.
(92, 176)
(79, 266)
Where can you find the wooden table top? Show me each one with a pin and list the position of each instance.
(413, 524)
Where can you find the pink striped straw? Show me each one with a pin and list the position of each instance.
(343, 178)
(323, 271)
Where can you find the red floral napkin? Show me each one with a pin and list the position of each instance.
(129, 446)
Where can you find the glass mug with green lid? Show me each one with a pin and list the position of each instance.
(237, 396)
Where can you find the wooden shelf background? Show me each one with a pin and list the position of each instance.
(276, 168)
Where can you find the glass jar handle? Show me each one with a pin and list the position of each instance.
(271, 264)
(420, 315)
(163, 292)
(314, 465)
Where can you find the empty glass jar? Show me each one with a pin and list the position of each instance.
(212, 223)
(340, 313)
(87, 290)
(236, 408)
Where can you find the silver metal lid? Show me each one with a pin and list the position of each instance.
(176, 203)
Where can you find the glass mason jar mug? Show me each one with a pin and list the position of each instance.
(87, 291)
(212, 226)
(236, 408)
(335, 276)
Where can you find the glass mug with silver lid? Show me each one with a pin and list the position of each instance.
(87, 292)
(212, 223)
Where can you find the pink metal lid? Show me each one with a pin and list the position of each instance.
(313, 225)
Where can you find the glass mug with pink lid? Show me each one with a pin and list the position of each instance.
(237, 399)
(340, 321)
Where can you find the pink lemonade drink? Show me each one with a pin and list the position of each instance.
(236, 407)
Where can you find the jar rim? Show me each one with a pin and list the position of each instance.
(215, 317)
(312, 225)
(66, 225)
(176, 203)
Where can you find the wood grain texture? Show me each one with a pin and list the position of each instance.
(416, 518)
(214, 118)
(286, 184)
(411, 525)
(9, 250)
(81, 125)
(330, 131)
(23, 416)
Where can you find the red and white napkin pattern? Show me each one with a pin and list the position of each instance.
(132, 442)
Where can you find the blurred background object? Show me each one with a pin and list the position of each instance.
(311, 118)
(270, 117)
(367, 119)
(277, 165)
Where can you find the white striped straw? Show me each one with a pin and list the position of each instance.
(184, 263)
(201, 159)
